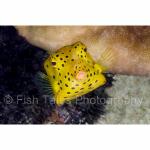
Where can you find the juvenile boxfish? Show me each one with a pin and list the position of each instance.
(71, 72)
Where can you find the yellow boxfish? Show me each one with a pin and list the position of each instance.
(71, 73)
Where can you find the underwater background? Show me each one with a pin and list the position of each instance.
(128, 100)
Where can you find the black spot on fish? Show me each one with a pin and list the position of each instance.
(62, 65)
(65, 77)
(53, 77)
(66, 56)
(68, 92)
(59, 74)
(94, 73)
(47, 66)
(68, 79)
(57, 55)
(68, 73)
(61, 58)
(81, 88)
(77, 84)
(61, 88)
(58, 69)
(64, 61)
(96, 81)
(75, 47)
(90, 74)
(88, 80)
(66, 85)
(90, 84)
(85, 49)
(72, 59)
(60, 81)
(73, 88)
(76, 92)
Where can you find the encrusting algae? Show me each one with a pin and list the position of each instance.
(71, 73)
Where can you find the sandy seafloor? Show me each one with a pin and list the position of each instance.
(129, 102)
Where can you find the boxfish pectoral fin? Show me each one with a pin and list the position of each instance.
(43, 84)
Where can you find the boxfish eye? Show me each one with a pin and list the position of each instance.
(53, 63)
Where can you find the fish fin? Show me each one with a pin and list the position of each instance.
(50, 52)
(106, 59)
(42, 81)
